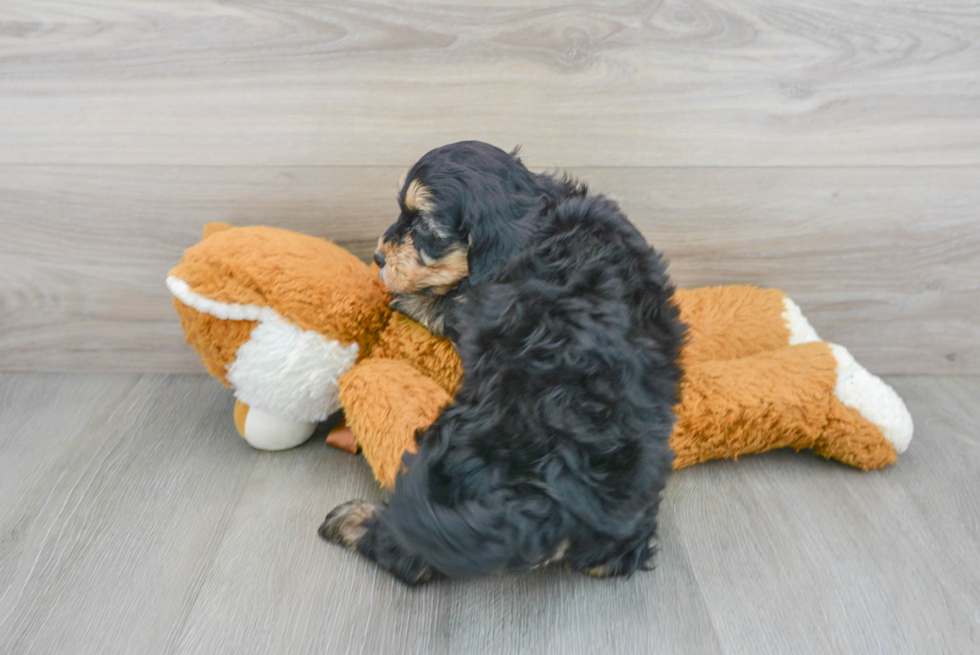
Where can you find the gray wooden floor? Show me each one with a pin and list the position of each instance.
(134, 520)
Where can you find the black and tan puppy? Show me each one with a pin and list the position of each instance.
(555, 449)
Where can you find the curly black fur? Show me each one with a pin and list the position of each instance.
(556, 447)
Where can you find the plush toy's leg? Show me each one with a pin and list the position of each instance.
(268, 432)
(385, 402)
(342, 437)
(805, 396)
(731, 322)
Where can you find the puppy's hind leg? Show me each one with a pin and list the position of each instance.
(356, 525)
(629, 556)
(623, 565)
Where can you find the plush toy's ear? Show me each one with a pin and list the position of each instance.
(211, 228)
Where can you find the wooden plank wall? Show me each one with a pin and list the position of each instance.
(831, 149)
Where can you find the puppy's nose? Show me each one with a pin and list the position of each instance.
(379, 259)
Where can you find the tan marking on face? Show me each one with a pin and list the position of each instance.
(404, 273)
(402, 178)
(418, 198)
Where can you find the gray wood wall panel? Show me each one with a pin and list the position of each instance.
(702, 83)
(885, 261)
(832, 149)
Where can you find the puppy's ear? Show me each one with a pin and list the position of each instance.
(497, 228)
(501, 217)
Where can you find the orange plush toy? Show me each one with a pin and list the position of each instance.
(300, 328)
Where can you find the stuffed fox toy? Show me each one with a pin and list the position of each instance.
(300, 328)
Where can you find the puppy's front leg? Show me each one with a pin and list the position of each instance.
(357, 525)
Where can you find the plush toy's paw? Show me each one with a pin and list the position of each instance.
(267, 432)
(873, 399)
(386, 401)
(868, 425)
(342, 437)
(344, 524)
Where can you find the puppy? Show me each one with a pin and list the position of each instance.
(555, 449)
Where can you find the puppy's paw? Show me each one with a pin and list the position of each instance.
(344, 525)
(614, 569)
(600, 571)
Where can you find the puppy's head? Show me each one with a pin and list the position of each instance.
(464, 212)
(420, 252)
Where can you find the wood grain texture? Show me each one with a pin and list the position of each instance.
(154, 529)
(42, 418)
(276, 587)
(885, 261)
(834, 560)
(672, 83)
(123, 523)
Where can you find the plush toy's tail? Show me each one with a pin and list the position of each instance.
(211, 228)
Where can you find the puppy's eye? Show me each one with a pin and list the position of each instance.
(422, 228)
